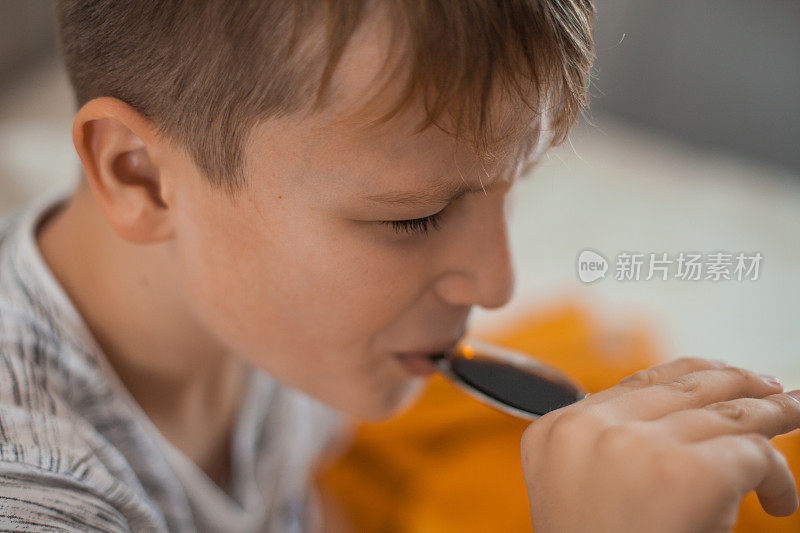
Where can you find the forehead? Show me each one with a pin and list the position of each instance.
(356, 152)
(376, 72)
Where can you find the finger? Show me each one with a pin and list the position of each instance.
(769, 416)
(750, 462)
(689, 391)
(644, 378)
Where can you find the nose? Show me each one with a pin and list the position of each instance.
(480, 269)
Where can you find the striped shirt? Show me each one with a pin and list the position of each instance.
(77, 453)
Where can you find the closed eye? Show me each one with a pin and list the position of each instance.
(415, 225)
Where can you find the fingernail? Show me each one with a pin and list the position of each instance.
(772, 380)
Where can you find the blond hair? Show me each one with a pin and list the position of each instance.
(205, 72)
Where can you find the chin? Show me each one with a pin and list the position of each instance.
(390, 403)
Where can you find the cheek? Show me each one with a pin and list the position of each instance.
(295, 285)
(303, 300)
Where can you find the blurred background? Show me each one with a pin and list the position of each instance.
(691, 146)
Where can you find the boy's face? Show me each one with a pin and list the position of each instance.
(298, 275)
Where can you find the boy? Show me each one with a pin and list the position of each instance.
(284, 207)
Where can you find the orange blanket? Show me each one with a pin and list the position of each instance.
(451, 464)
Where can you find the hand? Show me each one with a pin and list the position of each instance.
(673, 448)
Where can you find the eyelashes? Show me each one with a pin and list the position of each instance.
(415, 225)
(420, 226)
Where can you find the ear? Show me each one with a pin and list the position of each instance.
(119, 150)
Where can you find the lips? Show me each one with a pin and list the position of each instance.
(423, 362)
(416, 364)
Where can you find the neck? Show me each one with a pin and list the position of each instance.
(182, 377)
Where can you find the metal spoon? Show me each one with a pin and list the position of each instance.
(506, 379)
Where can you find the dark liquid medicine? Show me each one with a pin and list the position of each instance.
(513, 386)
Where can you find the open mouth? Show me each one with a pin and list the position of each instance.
(419, 364)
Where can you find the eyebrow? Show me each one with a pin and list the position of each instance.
(436, 194)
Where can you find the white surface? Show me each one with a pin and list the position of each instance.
(613, 189)
(36, 134)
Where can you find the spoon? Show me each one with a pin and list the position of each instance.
(507, 380)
